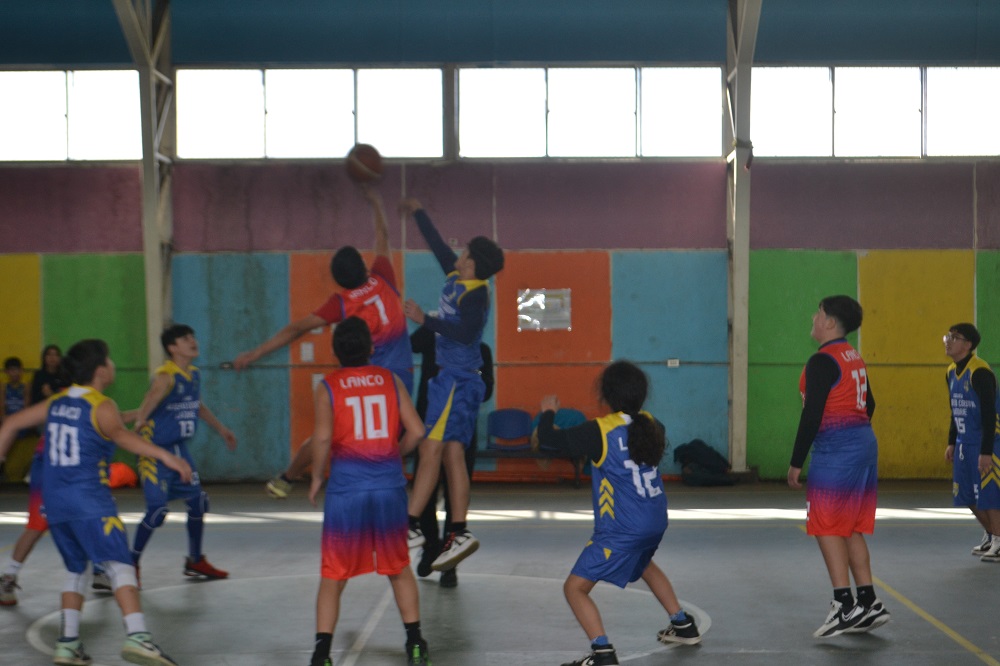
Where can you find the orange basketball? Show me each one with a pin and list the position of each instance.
(364, 164)
(121, 475)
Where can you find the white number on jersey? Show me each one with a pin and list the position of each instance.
(64, 445)
(187, 428)
(643, 482)
(861, 386)
(377, 301)
(366, 425)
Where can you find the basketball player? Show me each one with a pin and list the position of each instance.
(82, 428)
(837, 405)
(454, 395)
(358, 412)
(972, 434)
(369, 294)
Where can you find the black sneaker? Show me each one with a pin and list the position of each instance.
(449, 578)
(417, 654)
(839, 620)
(685, 633)
(427, 558)
(874, 617)
(601, 656)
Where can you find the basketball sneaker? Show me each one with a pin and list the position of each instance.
(415, 538)
(101, 582)
(685, 633)
(8, 583)
(417, 654)
(278, 488)
(993, 554)
(874, 617)
(458, 547)
(839, 620)
(449, 578)
(139, 648)
(201, 567)
(600, 656)
(70, 653)
(984, 545)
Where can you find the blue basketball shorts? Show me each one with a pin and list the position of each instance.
(453, 400)
(969, 487)
(616, 566)
(95, 539)
(160, 484)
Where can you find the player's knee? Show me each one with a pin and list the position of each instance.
(155, 516)
(120, 574)
(74, 583)
(198, 506)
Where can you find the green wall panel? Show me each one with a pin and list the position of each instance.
(988, 305)
(774, 406)
(785, 288)
(100, 296)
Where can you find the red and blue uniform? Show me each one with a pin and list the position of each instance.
(364, 515)
(843, 476)
(378, 303)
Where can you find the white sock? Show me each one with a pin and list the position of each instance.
(13, 567)
(70, 624)
(134, 623)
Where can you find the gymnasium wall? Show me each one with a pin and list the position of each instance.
(641, 246)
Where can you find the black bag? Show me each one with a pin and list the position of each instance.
(701, 465)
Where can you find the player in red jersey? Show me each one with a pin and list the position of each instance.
(360, 412)
(837, 406)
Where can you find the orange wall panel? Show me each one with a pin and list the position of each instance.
(523, 386)
(587, 275)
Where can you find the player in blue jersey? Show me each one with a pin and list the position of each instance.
(630, 507)
(454, 395)
(972, 435)
(82, 428)
(168, 417)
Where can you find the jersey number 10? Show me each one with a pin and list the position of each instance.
(367, 424)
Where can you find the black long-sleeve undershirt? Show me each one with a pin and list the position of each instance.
(822, 373)
(984, 383)
(584, 440)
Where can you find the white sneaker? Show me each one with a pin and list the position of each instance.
(993, 554)
(984, 545)
(458, 547)
(70, 653)
(874, 617)
(139, 648)
(8, 585)
(839, 620)
(415, 538)
(101, 582)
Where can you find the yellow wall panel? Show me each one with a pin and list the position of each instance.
(21, 314)
(911, 421)
(911, 297)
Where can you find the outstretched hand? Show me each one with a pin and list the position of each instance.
(413, 311)
(409, 206)
(550, 403)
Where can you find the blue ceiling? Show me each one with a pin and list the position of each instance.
(86, 33)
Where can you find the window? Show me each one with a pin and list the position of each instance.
(33, 116)
(592, 112)
(791, 111)
(502, 112)
(220, 113)
(681, 111)
(400, 111)
(310, 112)
(104, 116)
(961, 110)
(876, 111)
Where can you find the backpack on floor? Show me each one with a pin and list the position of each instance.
(701, 465)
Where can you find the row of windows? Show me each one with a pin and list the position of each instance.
(528, 112)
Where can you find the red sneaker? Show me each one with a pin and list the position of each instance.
(202, 567)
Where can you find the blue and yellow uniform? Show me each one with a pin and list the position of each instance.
(969, 487)
(82, 515)
(455, 394)
(364, 515)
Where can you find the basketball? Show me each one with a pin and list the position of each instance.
(364, 164)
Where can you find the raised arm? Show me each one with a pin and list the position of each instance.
(285, 336)
(445, 255)
(378, 213)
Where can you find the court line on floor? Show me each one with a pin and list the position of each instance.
(369, 628)
(938, 624)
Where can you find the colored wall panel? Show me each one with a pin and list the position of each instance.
(910, 300)
(847, 206)
(100, 296)
(586, 274)
(547, 205)
(988, 306)
(524, 386)
(235, 302)
(692, 402)
(774, 406)
(785, 290)
(71, 209)
(251, 207)
(911, 421)
(988, 205)
(21, 314)
(669, 305)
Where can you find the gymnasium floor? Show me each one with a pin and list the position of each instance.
(738, 558)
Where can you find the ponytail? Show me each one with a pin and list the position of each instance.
(646, 440)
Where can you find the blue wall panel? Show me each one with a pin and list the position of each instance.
(235, 302)
(692, 402)
(669, 305)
